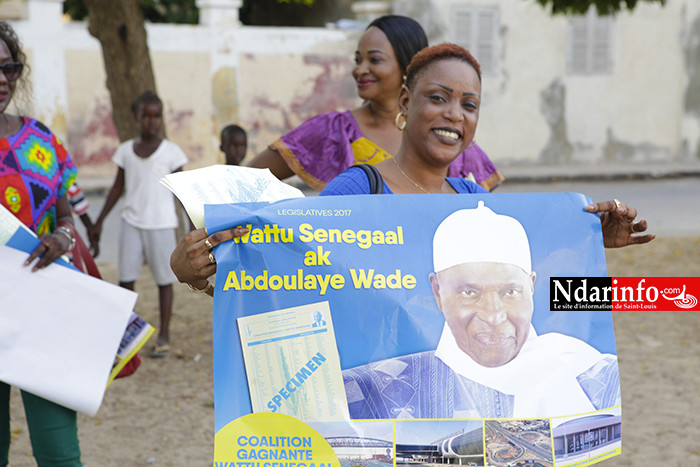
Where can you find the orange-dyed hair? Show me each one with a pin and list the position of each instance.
(439, 52)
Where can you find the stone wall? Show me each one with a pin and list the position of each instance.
(269, 80)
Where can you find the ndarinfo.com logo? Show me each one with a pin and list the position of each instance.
(624, 293)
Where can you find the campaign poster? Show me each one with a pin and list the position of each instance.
(367, 330)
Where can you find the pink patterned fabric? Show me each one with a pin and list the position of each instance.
(321, 148)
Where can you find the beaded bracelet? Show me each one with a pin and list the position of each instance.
(68, 233)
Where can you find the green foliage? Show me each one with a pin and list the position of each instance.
(253, 12)
(604, 7)
(300, 2)
(296, 13)
(171, 11)
(155, 11)
(76, 9)
(186, 11)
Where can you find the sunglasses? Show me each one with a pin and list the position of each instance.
(11, 70)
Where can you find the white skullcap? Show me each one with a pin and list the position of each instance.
(480, 236)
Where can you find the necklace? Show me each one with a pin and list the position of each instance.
(409, 178)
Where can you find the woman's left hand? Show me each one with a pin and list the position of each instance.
(52, 247)
(619, 225)
(192, 261)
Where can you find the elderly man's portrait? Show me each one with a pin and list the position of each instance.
(318, 320)
(489, 361)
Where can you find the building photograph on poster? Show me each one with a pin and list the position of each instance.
(585, 438)
(366, 443)
(435, 443)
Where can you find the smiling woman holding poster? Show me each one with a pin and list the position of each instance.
(462, 330)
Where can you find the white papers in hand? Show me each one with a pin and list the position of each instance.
(59, 331)
(222, 184)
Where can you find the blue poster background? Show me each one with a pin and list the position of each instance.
(373, 324)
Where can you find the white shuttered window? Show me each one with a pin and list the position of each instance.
(476, 29)
(590, 48)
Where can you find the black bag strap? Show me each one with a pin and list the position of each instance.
(376, 182)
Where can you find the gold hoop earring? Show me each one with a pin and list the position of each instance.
(400, 125)
(472, 145)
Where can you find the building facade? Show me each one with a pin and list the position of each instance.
(556, 90)
(583, 435)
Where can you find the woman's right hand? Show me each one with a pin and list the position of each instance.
(192, 259)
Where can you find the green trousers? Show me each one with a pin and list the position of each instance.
(53, 430)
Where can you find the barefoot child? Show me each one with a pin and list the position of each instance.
(149, 218)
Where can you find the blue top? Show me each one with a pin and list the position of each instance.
(354, 181)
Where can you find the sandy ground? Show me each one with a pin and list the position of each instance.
(164, 415)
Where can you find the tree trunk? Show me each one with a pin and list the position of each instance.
(119, 26)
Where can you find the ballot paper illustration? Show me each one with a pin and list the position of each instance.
(292, 363)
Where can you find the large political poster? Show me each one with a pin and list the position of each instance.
(367, 330)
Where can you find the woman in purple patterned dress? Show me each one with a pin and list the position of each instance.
(325, 145)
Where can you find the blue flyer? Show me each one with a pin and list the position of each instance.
(335, 317)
